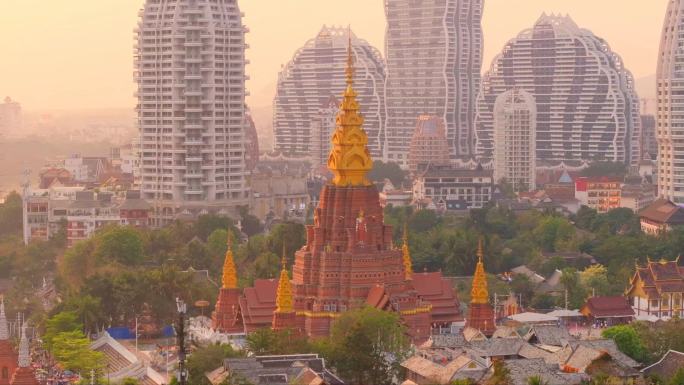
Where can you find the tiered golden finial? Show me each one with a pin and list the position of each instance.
(349, 159)
(284, 293)
(479, 292)
(229, 272)
(408, 267)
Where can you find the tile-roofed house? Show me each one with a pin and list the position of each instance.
(520, 370)
(434, 288)
(613, 310)
(553, 283)
(657, 289)
(661, 216)
(667, 366)
(506, 332)
(549, 335)
(444, 367)
(258, 303)
(298, 369)
(599, 358)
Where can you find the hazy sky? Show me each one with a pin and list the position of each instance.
(66, 54)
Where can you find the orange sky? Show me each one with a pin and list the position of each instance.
(74, 54)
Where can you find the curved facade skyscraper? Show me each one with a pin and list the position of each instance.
(315, 73)
(670, 118)
(433, 50)
(190, 71)
(587, 107)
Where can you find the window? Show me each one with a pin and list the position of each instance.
(5, 373)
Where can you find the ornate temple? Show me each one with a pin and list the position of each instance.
(24, 374)
(349, 259)
(226, 317)
(8, 357)
(480, 312)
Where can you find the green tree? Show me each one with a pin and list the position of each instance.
(266, 341)
(121, 244)
(627, 340)
(576, 292)
(11, 215)
(609, 169)
(129, 381)
(206, 359)
(554, 234)
(72, 351)
(206, 224)
(678, 378)
(389, 170)
(595, 279)
(60, 323)
(501, 374)
(88, 309)
(366, 346)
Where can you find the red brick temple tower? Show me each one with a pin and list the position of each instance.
(8, 357)
(284, 316)
(480, 312)
(349, 258)
(24, 374)
(226, 317)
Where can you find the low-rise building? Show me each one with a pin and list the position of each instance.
(279, 191)
(298, 369)
(661, 216)
(601, 194)
(82, 212)
(611, 310)
(657, 289)
(447, 183)
(637, 197)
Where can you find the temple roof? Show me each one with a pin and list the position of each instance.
(349, 159)
(229, 272)
(479, 292)
(284, 294)
(258, 304)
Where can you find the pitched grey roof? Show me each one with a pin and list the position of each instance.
(549, 335)
(521, 370)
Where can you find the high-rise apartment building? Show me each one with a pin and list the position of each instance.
(587, 107)
(428, 144)
(649, 142)
(433, 50)
(317, 71)
(10, 117)
(515, 123)
(322, 129)
(670, 118)
(190, 70)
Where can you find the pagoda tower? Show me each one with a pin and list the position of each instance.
(24, 374)
(8, 356)
(284, 316)
(349, 258)
(480, 312)
(226, 317)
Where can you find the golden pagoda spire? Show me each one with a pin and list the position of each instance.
(284, 293)
(229, 272)
(406, 254)
(349, 159)
(479, 292)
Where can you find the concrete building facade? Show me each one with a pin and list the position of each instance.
(670, 98)
(190, 71)
(434, 55)
(316, 72)
(587, 108)
(515, 126)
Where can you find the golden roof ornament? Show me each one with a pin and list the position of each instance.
(284, 293)
(406, 255)
(349, 159)
(229, 272)
(479, 294)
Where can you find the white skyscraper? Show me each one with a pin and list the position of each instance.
(190, 69)
(670, 111)
(315, 72)
(515, 123)
(433, 50)
(587, 107)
